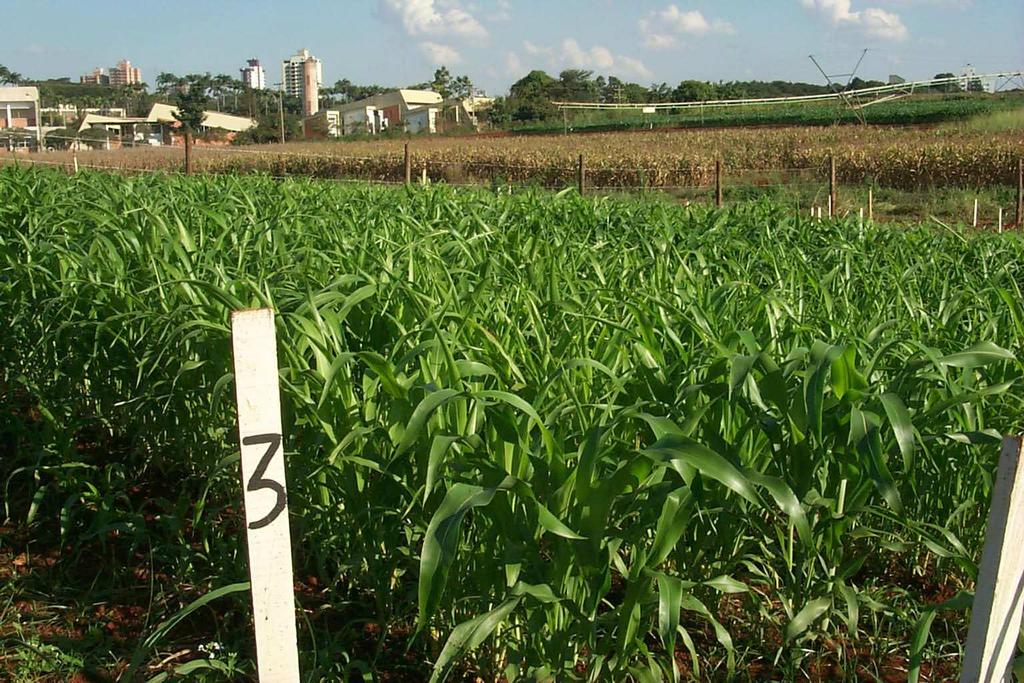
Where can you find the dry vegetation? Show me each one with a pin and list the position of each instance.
(899, 158)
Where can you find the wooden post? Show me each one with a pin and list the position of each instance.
(1020, 193)
(974, 222)
(423, 175)
(408, 166)
(188, 150)
(581, 177)
(74, 157)
(871, 203)
(268, 536)
(1000, 219)
(718, 182)
(996, 614)
(833, 206)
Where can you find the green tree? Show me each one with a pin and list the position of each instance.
(530, 97)
(191, 103)
(8, 77)
(442, 83)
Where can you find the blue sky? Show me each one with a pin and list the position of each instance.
(397, 42)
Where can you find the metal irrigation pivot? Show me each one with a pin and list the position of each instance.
(254, 348)
(999, 593)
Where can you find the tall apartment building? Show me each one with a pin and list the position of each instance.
(125, 74)
(253, 75)
(122, 74)
(302, 75)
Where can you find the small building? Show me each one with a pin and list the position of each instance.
(163, 115)
(379, 112)
(326, 123)
(465, 111)
(422, 119)
(19, 108)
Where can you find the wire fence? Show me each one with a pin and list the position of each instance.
(809, 190)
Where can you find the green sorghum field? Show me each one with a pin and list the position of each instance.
(532, 436)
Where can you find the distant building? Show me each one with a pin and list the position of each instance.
(125, 74)
(326, 123)
(379, 112)
(122, 74)
(97, 77)
(414, 111)
(302, 76)
(19, 108)
(896, 79)
(68, 113)
(253, 75)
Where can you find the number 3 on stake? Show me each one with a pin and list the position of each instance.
(258, 396)
(257, 482)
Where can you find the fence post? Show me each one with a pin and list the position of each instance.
(408, 166)
(188, 151)
(996, 613)
(1020, 193)
(718, 182)
(833, 206)
(871, 203)
(581, 177)
(974, 221)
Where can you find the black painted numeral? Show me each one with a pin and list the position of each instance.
(257, 482)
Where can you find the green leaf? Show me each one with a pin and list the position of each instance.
(978, 355)
(902, 427)
(468, 635)
(421, 414)
(441, 542)
(810, 613)
(822, 356)
(679, 451)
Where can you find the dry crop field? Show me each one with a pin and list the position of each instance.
(889, 157)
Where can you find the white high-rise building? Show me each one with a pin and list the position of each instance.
(302, 75)
(253, 75)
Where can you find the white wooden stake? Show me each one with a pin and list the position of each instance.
(996, 615)
(423, 178)
(266, 500)
(975, 212)
(1000, 219)
(830, 206)
(75, 159)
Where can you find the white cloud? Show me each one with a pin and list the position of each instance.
(533, 49)
(434, 18)
(571, 54)
(659, 41)
(873, 22)
(597, 57)
(513, 65)
(440, 54)
(633, 67)
(661, 27)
